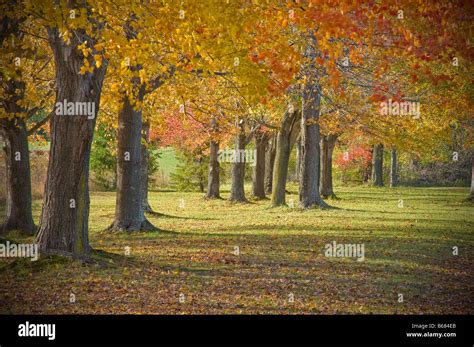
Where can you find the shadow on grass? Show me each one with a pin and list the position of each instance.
(169, 216)
(198, 269)
(156, 214)
(23, 267)
(242, 203)
(158, 232)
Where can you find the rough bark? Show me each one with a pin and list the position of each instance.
(145, 158)
(310, 132)
(327, 147)
(64, 220)
(269, 163)
(129, 212)
(471, 195)
(377, 165)
(213, 182)
(201, 174)
(394, 168)
(258, 177)
(17, 158)
(237, 192)
(13, 129)
(367, 172)
(286, 138)
(298, 160)
(213, 177)
(310, 150)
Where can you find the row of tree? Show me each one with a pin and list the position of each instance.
(294, 72)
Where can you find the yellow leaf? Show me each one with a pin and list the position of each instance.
(99, 47)
(98, 60)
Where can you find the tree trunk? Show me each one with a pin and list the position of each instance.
(213, 182)
(269, 163)
(471, 195)
(394, 169)
(258, 177)
(14, 131)
(237, 192)
(298, 160)
(201, 174)
(377, 165)
(17, 158)
(367, 172)
(327, 147)
(310, 150)
(64, 220)
(213, 178)
(129, 212)
(145, 158)
(285, 140)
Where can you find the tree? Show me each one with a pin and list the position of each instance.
(298, 160)
(471, 195)
(21, 98)
(194, 46)
(394, 168)
(310, 151)
(64, 220)
(145, 167)
(130, 212)
(355, 160)
(377, 165)
(270, 154)
(103, 162)
(258, 176)
(19, 214)
(132, 171)
(190, 173)
(286, 138)
(328, 143)
(237, 192)
(213, 187)
(365, 41)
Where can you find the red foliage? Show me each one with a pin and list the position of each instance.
(182, 132)
(356, 155)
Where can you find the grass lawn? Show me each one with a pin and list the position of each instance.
(408, 250)
(168, 160)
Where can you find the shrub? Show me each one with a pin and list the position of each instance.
(190, 173)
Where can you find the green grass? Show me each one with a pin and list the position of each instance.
(407, 250)
(168, 160)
